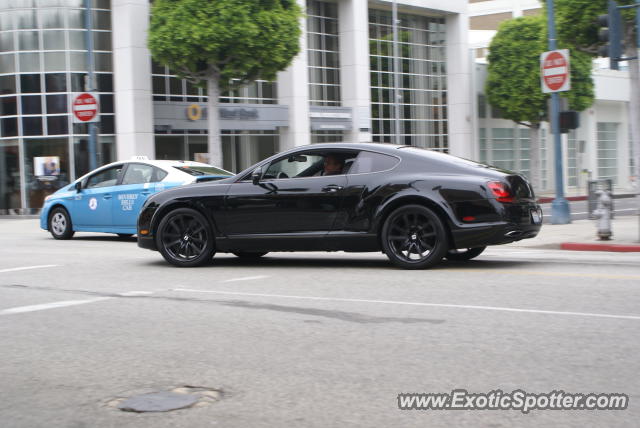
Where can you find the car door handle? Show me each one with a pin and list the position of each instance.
(106, 196)
(332, 188)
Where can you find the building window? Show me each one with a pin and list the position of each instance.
(323, 53)
(422, 93)
(42, 62)
(510, 148)
(326, 136)
(607, 150)
(167, 86)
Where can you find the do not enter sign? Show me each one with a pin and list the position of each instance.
(84, 108)
(555, 71)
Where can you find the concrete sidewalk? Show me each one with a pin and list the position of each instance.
(580, 235)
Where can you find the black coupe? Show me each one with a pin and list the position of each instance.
(415, 205)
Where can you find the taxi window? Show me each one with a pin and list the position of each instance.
(372, 162)
(138, 173)
(105, 178)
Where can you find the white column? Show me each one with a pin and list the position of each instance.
(591, 149)
(132, 79)
(355, 82)
(293, 91)
(459, 86)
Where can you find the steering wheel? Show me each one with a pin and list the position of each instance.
(282, 175)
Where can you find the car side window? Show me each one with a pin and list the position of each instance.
(297, 165)
(367, 162)
(105, 178)
(138, 173)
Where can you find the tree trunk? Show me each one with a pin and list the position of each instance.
(213, 119)
(534, 157)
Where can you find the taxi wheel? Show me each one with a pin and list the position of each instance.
(464, 254)
(185, 238)
(60, 224)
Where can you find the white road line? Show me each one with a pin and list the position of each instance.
(246, 278)
(435, 305)
(52, 305)
(135, 293)
(26, 268)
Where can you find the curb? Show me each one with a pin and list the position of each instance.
(618, 248)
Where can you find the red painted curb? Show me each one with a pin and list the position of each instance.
(548, 199)
(619, 248)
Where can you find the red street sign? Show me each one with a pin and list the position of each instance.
(85, 108)
(555, 71)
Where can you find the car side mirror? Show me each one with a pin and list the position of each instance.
(256, 175)
(78, 186)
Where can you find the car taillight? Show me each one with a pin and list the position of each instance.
(500, 191)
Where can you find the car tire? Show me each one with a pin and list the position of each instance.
(248, 255)
(185, 238)
(414, 237)
(464, 254)
(60, 225)
(125, 235)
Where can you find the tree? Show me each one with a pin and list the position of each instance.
(581, 30)
(513, 82)
(224, 44)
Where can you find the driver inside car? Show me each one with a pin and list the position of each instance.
(333, 165)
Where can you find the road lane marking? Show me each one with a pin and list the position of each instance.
(246, 278)
(26, 268)
(559, 274)
(52, 305)
(396, 302)
(135, 293)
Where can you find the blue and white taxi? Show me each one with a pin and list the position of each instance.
(109, 198)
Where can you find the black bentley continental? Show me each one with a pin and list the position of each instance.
(415, 205)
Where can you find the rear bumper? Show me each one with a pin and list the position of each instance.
(482, 236)
(518, 224)
(147, 242)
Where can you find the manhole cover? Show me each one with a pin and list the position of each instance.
(165, 401)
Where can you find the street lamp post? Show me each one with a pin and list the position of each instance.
(396, 73)
(90, 81)
(560, 213)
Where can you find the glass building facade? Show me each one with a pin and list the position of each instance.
(240, 148)
(422, 88)
(43, 62)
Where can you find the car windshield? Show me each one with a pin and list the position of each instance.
(203, 170)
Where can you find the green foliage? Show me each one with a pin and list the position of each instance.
(227, 39)
(513, 83)
(576, 22)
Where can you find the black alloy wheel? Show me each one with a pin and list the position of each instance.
(60, 224)
(184, 238)
(413, 237)
(464, 254)
(248, 255)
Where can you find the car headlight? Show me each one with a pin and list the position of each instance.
(46, 199)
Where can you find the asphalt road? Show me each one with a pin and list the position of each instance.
(308, 340)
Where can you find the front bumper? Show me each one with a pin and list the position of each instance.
(147, 242)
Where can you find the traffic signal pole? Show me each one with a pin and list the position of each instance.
(560, 213)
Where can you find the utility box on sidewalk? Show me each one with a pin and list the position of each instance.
(592, 198)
